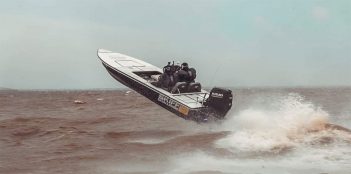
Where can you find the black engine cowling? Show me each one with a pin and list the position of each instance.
(220, 100)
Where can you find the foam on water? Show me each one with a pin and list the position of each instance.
(282, 124)
(288, 135)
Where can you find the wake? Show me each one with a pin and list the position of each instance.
(284, 124)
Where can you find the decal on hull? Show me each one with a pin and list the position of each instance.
(173, 104)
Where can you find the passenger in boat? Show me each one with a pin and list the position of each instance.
(177, 78)
(192, 86)
(182, 74)
(177, 66)
(168, 66)
(191, 75)
(166, 80)
(185, 74)
(184, 79)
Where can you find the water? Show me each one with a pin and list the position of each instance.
(288, 130)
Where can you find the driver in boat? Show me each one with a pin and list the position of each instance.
(182, 74)
(177, 67)
(166, 80)
(175, 74)
(185, 79)
(185, 74)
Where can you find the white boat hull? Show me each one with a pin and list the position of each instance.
(134, 74)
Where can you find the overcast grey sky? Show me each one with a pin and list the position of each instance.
(51, 44)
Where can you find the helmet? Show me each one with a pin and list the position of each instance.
(167, 69)
(185, 66)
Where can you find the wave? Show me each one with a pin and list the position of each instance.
(285, 135)
(285, 124)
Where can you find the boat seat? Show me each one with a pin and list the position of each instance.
(180, 87)
(194, 87)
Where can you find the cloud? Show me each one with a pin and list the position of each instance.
(320, 13)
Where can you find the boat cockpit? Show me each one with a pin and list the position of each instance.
(175, 79)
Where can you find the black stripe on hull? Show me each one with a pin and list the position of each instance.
(193, 114)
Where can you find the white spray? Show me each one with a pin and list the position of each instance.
(277, 127)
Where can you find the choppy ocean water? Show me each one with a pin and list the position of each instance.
(269, 130)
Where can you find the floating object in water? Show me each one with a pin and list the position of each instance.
(79, 102)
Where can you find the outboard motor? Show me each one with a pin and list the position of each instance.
(220, 100)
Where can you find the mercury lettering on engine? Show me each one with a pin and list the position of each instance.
(217, 95)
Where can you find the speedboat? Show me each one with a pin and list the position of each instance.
(198, 105)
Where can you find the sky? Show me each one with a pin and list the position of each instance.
(52, 44)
